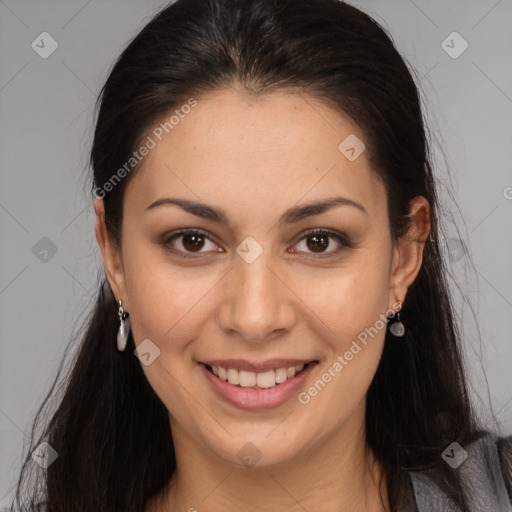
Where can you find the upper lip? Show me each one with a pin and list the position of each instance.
(262, 366)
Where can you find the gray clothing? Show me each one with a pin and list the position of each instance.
(486, 474)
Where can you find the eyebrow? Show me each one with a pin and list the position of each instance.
(290, 216)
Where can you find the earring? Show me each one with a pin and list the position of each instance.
(124, 328)
(397, 328)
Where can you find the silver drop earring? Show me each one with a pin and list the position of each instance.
(124, 328)
(397, 328)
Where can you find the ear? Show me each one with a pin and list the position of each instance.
(112, 260)
(408, 252)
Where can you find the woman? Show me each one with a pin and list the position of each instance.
(274, 330)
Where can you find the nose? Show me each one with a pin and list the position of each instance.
(257, 304)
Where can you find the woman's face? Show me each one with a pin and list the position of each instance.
(255, 289)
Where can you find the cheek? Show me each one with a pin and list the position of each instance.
(355, 351)
(167, 302)
(347, 299)
(361, 330)
(351, 307)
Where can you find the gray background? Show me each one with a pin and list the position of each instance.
(46, 124)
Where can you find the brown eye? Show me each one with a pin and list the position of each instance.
(317, 243)
(193, 242)
(186, 242)
(320, 240)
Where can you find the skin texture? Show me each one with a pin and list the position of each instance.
(255, 157)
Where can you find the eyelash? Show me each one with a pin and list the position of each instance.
(339, 237)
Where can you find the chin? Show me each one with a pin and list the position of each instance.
(260, 450)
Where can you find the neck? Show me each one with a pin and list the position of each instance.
(337, 472)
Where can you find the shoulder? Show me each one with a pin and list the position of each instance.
(484, 468)
(504, 448)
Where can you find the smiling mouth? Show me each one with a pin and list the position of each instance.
(255, 380)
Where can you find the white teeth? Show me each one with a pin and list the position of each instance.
(266, 379)
(247, 379)
(281, 375)
(233, 376)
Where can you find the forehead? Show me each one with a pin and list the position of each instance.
(255, 154)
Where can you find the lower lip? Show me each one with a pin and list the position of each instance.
(256, 399)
